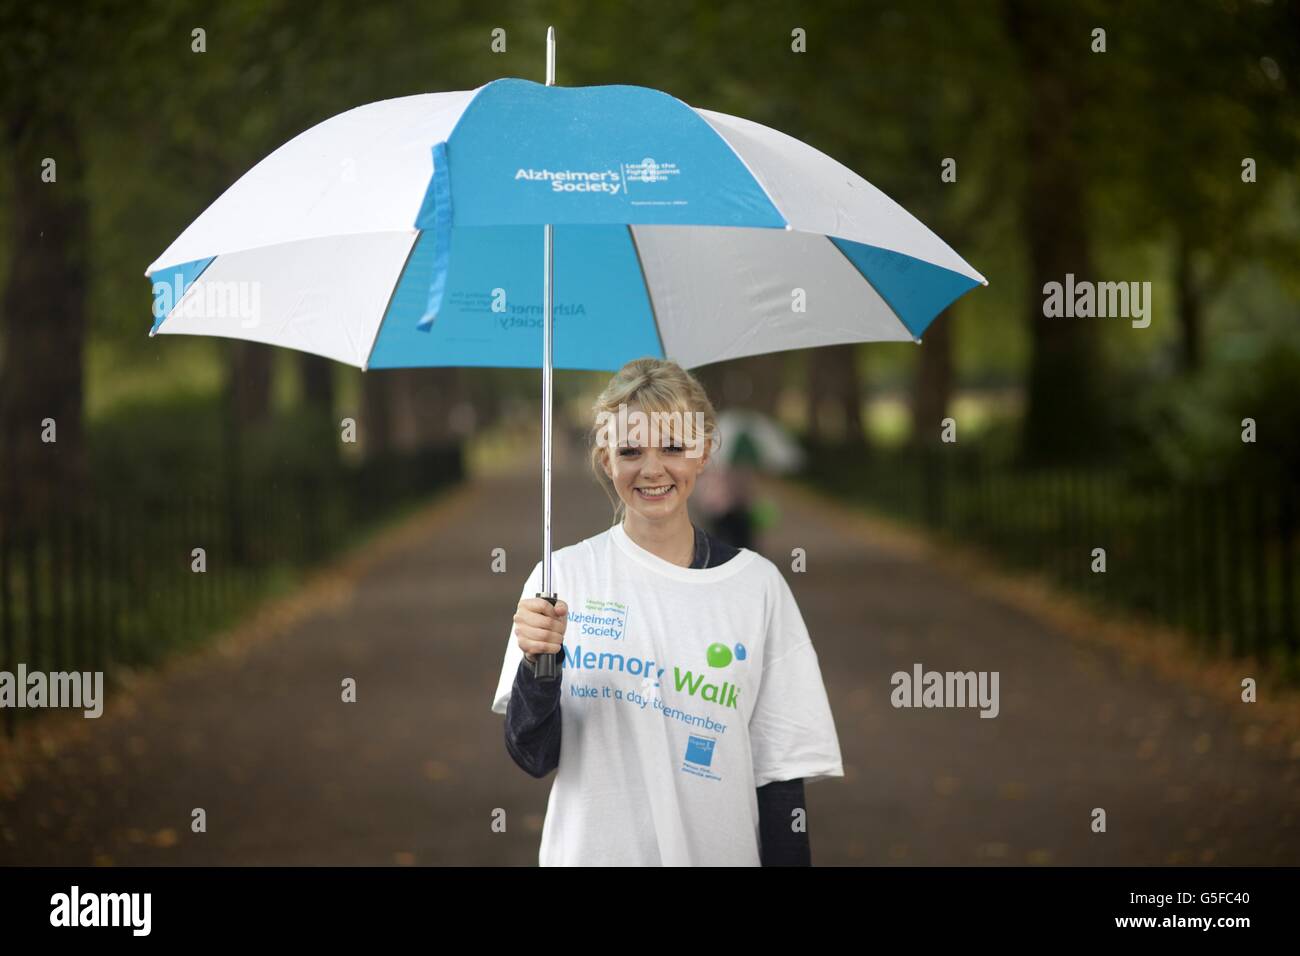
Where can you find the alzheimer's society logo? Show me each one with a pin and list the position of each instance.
(601, 619)
(612, 181)
(575, 180)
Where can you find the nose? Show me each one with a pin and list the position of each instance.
(652, 465)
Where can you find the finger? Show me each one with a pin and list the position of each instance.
(540, 636)
(536, 606)
(532, 646)
(542, 622)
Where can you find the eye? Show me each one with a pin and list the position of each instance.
(626, 452)
(673, 448)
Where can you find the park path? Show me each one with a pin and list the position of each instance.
(254, 732)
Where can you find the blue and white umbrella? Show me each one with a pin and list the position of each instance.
(679, 233)
(419, 231)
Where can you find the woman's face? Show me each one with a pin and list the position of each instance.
(638, 469)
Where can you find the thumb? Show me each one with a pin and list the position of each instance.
(561, 609)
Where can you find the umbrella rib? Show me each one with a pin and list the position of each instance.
(389, 304)
(654, 313)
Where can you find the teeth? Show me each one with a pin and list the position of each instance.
(655, 492)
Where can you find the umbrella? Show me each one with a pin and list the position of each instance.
(409, 233)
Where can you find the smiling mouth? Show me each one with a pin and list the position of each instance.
(664, 492)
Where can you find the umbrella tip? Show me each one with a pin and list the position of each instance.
(550, 56)
(916, 339)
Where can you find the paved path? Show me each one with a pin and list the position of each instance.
(412, 772)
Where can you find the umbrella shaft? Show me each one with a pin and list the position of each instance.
(547, 362)
(547, 664)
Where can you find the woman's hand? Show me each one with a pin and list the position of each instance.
(539, 626)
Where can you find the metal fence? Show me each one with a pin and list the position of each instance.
(112, 579)
(1214, 558)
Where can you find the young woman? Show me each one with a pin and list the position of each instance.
(690, 708)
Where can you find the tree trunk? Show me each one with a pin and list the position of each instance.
(44, 315)
(1064, 416)
(375, 425)
(750, 382)
(251, 365)
(712, 377)
(763, 376)
(933, 385)
(835, 396)
(1190, 307)
(317, 375)
(421, 401)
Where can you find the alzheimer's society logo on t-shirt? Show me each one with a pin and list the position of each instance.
(601, 619)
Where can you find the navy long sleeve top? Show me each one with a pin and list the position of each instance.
(532, 731)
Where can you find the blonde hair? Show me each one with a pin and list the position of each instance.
(657, 385)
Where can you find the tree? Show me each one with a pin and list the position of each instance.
(44, 300)
(1065, 417)
(1205, 94)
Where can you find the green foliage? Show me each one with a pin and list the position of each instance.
(295, 445)
(1193, 426)
(151, 447)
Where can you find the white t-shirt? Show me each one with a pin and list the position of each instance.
(683, 689)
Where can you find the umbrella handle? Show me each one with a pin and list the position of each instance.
(547, 666)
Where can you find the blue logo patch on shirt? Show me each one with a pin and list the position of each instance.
(700, 750)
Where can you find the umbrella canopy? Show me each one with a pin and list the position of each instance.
(409, 232)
